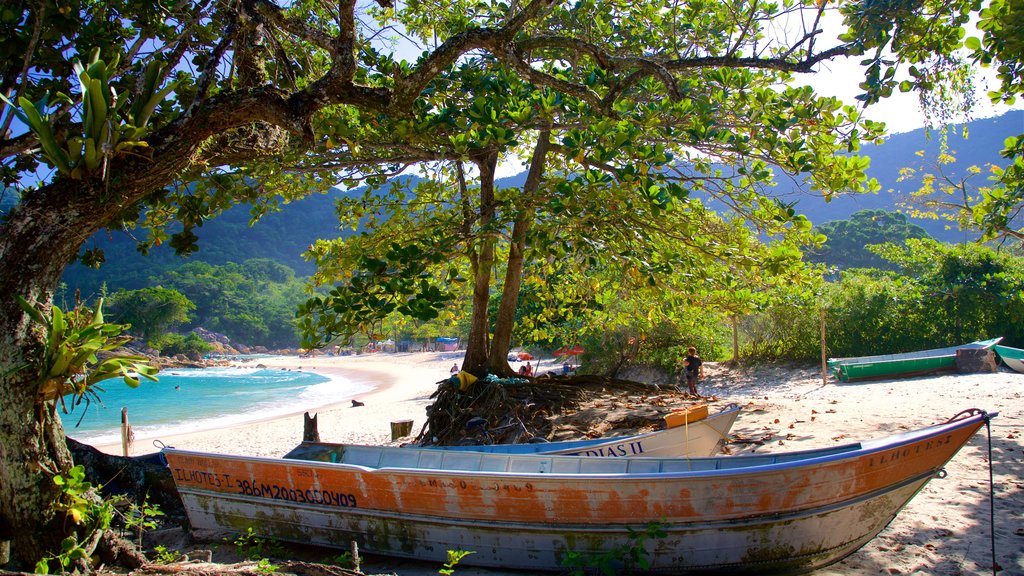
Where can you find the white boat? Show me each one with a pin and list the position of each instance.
(689, 433)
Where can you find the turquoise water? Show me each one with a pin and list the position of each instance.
(189, 400)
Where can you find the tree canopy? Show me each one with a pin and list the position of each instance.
(148, 311)
(848, 240)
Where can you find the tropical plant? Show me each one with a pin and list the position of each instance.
(108, 129)
(71, 365)
(82, 507)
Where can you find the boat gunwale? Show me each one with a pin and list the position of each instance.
(793, 460)
(1014, 353)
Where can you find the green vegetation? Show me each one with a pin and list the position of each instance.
(938, 295)
(162, 555)
(79, 502)
(190, 345)
(848, 240)
(254, 547)
(149, 311)
(626, 559)
(253, 302)
(140, 518)
(72, 343)
(454, 557)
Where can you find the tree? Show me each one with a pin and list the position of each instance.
(847, 242)
(149, 311)
(129, 112)
(993, 208)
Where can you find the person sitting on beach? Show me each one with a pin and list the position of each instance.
(455, 369)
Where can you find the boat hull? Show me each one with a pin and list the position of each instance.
(756, 514)
(1012, 357)
(902, 365)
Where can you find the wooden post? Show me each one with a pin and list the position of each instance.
(309, 429)
(355, 556)
(824, 360)
(400, 429)
(125, 432)
(735, 340)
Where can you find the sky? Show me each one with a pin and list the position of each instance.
(900, 112)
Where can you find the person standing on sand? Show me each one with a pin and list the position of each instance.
(694, 369)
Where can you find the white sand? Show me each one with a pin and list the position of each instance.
(944, 530)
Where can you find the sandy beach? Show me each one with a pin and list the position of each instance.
(944, 530)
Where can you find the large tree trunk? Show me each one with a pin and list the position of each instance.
(482, 262)
(498, 359)
(35, 246)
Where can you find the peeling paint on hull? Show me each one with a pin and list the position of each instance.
(753, 514)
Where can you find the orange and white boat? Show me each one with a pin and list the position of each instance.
(766, 513)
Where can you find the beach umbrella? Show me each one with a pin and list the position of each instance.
(525, 356)
(574, 351)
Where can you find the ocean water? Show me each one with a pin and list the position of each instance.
(190, 400)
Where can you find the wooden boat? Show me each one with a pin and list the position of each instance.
(765, 513)
(689, 432)
(902, 365)
(1012, 357)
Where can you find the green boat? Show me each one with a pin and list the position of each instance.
(902, 365)
(1012, 357)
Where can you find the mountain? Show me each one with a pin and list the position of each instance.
(283, 236)
(985, 140)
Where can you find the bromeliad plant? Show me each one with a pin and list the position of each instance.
(71, 364)
(109, 125)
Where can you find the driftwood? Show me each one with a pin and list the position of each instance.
(188, 568)
(512, 410)
(137, 477)
(243, 569)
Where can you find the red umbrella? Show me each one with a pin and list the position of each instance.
(574, 351)
(525, 356)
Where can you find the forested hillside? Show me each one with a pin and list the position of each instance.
(985, 140)
(283, 236)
